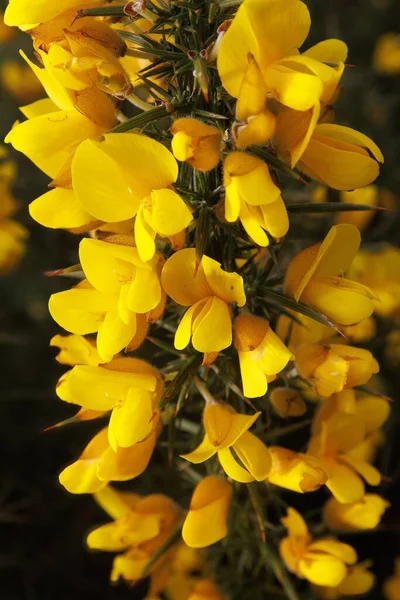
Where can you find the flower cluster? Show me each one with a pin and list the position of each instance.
(182, 219)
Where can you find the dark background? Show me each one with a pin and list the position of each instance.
(42, 528)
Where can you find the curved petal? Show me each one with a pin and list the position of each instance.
(169, 213)
(212, 327)
(132, 421)
(324, 571)
(229, 287)
(254, 454)
(59, 209)
(180, 280)
(328, 51)
(203, 452)
(344, 483)
(126, 463)
(70, 309)
(295, 89)
(232, 468)
(368, 472)
(145, 291)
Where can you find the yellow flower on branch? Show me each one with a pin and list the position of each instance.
(357, 582)
(129, 174)
(339, 443)
(252, 197)
(129, 387)
(99, 464)
(208, 292)
(323, 561)
(261, 354)
(295, 471)
(225, 429)
(196, 143)
(362, 515)
(314, 277)
(205, 523)
(333, 367)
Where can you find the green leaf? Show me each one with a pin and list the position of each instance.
(102, 11)
(329, 207)
(139, 121)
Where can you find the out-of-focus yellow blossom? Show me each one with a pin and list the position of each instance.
(261, 354)
(196, 143)
(99, 463)
(333, 367)
(129, 174)
(22, 13)
(314, 277)
(386, 59)
(252, 197)
(380, 271)
(296, 471)
(206, 521)
(287, 402)
(12, 233)
(19, 81)
(226, 429)
(120, 296)
(339, 443)
(366, 514)
(323, 562)
(357, 582)
(205, 590)
(141, 526)
(129, 387)
(391, 587)
(76, 350)
(362, 332)
(208, 291)
(265, 37)
(340, 402)
(368, 195)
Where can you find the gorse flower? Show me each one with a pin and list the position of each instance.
(184, 210)
(226, 429)
(208, 291)
(323, 561)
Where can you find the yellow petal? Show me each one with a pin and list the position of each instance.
(358, 581)
(114, 335)
(132, 421)
(295, 89)
(224, 426)
(342, 551)
(254, 380)
(126, 463)
(144, 291)
(144, 235)
(205, 523)
(254, 454)
(203, 452)
(229, 287)
(233, 468)
(212, 327)
(344, 483)
(297, 472)
(328, 51)
(368, 472)
(287, 402)
(103, 269)
(116, 503)
(70, 309)
(253, 92)
(184, 330)
(99, 184)
(325, 570)
(75, 350)
(21, 12)
(49, 140)
(169, 214)
(295, 524)
(179, 280)
(59, 209)
(45, 106)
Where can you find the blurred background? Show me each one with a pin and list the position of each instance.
(42, 528)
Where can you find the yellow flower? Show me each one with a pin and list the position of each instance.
(129, 387)
(208, 292)
(261, 354)
(226, 429)
(380, 271)
(266, 36)
(362, 332)
(205, 523)
(386, 59)
(323, 561)
(336, 156)
(120, 288)
(357, 582)
(99, 464)
(129, 174)
(339, 442)
(287, 402)
(252, 197)
(24, 13)
(314, 277)
(391, 587)
(366, 514)
(333, 367)
(303, 330)
(196, 143)
(295, 471)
